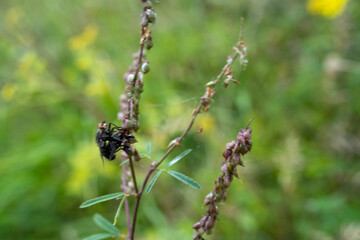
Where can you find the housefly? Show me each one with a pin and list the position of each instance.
(111, 139)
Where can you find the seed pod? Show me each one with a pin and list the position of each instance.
(212, 208)
(227, 153)
(130, 78)
(147, 4)
(203, 220)
(145, 67)
(208, 198)
(196, 225)
(148, 44)
(227, 181)
(150, 15)
(209, 223)
(224, 168)
(230, 145)
(236, 159)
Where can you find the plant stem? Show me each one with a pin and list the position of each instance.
(133, 173)
(155, 165)
(137, 202)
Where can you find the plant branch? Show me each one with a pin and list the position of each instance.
(133, 172)
(203, 104)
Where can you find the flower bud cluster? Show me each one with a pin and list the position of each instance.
(129, 100)
(242, 51)
(229, 77)
(232, 155)
(207, 98)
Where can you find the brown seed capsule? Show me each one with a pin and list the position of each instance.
(212, 208)
(227, 153)
(196, 225)
(203, 220)
(209, 224)
(236, 159)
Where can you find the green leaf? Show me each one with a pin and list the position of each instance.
(98, 236)
(151, 184)
(185, 179)
(178, 158)
(118, 210)
(103, 198)
(106, 225)
(126, 161)
(148, 148)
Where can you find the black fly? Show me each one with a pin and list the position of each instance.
(112, 139)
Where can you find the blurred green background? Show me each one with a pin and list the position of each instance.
(61, 67)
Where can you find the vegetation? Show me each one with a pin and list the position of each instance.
(62, 65)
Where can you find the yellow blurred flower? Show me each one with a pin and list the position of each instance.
(7, 91)
(83, 62)
(12, 17)
(206, 122)
(30, 64)
(86, 164)
(95, 88)
(84, 39)
(327, 8)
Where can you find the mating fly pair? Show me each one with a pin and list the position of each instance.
(111, 139)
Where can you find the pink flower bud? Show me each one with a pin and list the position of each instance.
(227, 181)
(196, 225)
(209, 224)
(224, 168)
(230, 145)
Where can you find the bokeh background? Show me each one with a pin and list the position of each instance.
(61, 68)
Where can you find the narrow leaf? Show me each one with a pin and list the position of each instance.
(126, 161)
(178, 158)
(151, 184)
(101, 199)
(185, 179)
(98, 236)
(148, 148)
(106, 225)
(118, 210)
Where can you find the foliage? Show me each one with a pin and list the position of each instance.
(300, 181)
